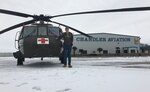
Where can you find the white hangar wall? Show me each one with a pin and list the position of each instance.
(108, 42)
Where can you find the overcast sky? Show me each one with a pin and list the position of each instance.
(129, 23)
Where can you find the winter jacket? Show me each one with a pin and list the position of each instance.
(67, 37)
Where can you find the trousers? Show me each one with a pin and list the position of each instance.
(67, 54)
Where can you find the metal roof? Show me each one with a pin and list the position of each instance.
(108, 34)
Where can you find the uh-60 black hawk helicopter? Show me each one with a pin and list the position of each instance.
(40, 39)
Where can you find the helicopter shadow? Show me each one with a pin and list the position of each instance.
(42, 64)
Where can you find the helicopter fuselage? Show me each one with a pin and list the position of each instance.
(39, 40)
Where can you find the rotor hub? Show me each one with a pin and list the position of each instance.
(41, 17)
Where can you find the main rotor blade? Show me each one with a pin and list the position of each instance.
(71, 28)
(17, 25)
(107, 11)
(15, 13)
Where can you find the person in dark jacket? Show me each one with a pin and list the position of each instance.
(67, 46)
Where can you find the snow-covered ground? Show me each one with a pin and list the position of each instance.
(113, 74)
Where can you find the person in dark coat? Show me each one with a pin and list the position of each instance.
(67, 46)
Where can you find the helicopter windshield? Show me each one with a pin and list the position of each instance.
(54, 31)
(42, 30)
(29, 31)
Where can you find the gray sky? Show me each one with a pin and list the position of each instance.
(129, 23)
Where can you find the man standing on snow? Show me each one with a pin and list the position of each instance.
(67, 46)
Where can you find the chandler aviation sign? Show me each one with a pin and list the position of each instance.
(102, 39)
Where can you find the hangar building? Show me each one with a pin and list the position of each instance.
(107, 43)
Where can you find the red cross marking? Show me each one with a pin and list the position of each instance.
(43, 40)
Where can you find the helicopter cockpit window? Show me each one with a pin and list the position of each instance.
(42, 30)
(54, 31)
(29, 31)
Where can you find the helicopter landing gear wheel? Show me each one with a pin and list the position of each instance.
(20, 58)
(61, 58)
(20, 61)
(62, 62)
